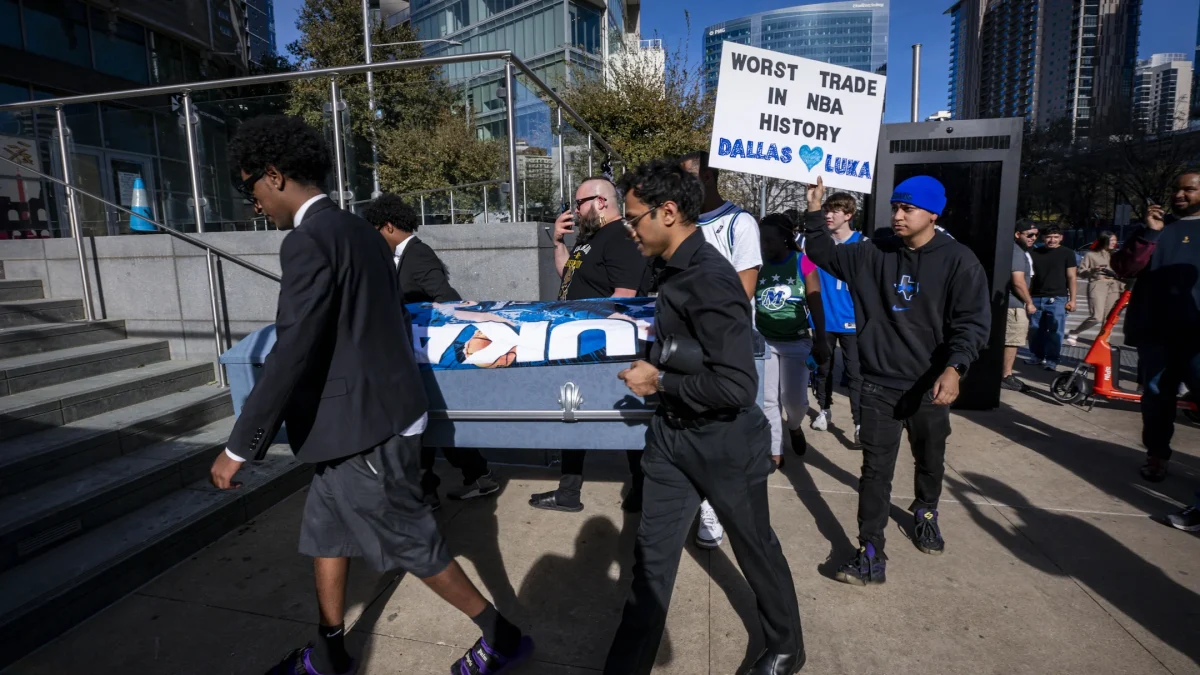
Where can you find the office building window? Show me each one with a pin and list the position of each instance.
(10, 23)
(128, 130)
(60, 31)
(120, 47)
(166, 59)
(585, 28)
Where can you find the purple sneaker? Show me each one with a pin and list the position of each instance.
(483, 660)
(298, 663)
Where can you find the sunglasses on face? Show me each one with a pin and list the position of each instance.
(631, 223)
(246, 187)
(581, 202)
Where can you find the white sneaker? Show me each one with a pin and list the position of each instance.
(821, 423)
(1070, 340)
(710, 534)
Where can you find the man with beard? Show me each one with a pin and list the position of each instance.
(603, 263)
(1163, 319)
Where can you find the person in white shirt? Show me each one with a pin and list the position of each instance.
(734, 233)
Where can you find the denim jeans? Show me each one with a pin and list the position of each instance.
(1047, 327)
(1163, 368)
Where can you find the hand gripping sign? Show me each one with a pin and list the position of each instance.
(794, 118)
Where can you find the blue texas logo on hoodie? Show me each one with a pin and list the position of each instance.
(906, 289)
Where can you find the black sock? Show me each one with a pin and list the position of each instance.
(497, 631)
(329, 656)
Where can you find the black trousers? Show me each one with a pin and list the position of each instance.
(824, 383)
(468, 460)
(572, 465)
(886, 413)
(727, 462)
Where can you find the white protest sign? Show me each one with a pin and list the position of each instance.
(794, 118)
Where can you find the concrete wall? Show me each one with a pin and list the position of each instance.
(159, 286)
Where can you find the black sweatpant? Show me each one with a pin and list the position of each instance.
(824, 383)
(468, 460)
(886, 413)
(728, 462)
(572, 465)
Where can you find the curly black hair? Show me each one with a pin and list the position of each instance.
(289, 144)
(388, 208)
(663, 180)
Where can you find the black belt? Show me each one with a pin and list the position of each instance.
(676, 421)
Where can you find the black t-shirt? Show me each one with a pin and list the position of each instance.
(608, 261)
(1050, 267)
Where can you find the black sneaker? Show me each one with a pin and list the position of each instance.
(1012, 383)
(926, 534)
(799, 443)
(865, 568)
(1187, 520)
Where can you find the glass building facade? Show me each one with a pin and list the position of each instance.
(260, 28)
(70, 47)
(850, 34)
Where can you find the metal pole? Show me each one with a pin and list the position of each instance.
(335, 99)
(485, 204)
(510, 84)
(524, 200)
(916, 83)
(562, 165)
(591, 171)
(422, 210)
(190, 121)
(451, 207)
(366, 16)
(762, 199)
(73, 215)
(216, 314)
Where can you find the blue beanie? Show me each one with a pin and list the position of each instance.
(923, 192)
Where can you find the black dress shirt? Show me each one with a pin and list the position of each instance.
(701, 297)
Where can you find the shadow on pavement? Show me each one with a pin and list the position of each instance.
(1072, 547)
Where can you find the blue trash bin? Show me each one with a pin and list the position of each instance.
(243, 364)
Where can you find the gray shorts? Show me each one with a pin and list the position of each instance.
(369, 506)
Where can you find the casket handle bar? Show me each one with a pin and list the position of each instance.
(570, 397)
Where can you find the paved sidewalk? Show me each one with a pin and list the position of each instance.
(1052, 566)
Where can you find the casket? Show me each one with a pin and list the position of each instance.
(545, 394)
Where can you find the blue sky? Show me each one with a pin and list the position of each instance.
(1167, 26)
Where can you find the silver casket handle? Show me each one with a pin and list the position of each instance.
(571, 399)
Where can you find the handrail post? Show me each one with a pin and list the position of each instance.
(562, 162)
(451, 206)
(190, 121)
(510, 85)
(335, 108)
(212, 292)
(485, 204)
(524, 200)
(591, 171)
(73, 215)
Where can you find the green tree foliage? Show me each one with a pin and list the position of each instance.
(422, 136)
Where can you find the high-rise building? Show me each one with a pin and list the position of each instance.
(1196, 80)
(557, 39)
(260, 28)
(851, 34)
(1162, 93)
(1044, 60)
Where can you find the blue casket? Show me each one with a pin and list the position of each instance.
(515, 374)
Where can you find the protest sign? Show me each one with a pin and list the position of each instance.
(794, 118)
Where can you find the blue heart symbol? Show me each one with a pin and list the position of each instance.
(811, 156)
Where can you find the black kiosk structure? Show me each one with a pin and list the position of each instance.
(979, 162)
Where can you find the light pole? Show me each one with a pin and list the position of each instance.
(374, 114)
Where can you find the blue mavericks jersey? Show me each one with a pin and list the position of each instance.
(835, 297)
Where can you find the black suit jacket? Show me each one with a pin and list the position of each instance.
(423, 277)
(342, 373)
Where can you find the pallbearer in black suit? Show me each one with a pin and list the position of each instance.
(423, 278)
(352, 400)
(708, 438)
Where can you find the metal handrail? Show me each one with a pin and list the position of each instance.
(334, 71)
(464, 186)
(224, 255)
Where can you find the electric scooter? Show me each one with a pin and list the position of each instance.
(1104, 360)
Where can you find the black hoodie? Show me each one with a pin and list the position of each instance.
(918, 311)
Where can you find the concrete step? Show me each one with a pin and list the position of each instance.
(46, 455)
(21, 289)
(37, 519)
(56, 405)
(33, 371)
(54, 591)
(49, 337)
(15, 313)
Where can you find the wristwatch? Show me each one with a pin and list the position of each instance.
(960, 368)
(659, 385)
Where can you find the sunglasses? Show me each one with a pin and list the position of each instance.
(246, 187)
(631, 224)
(581, 202)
